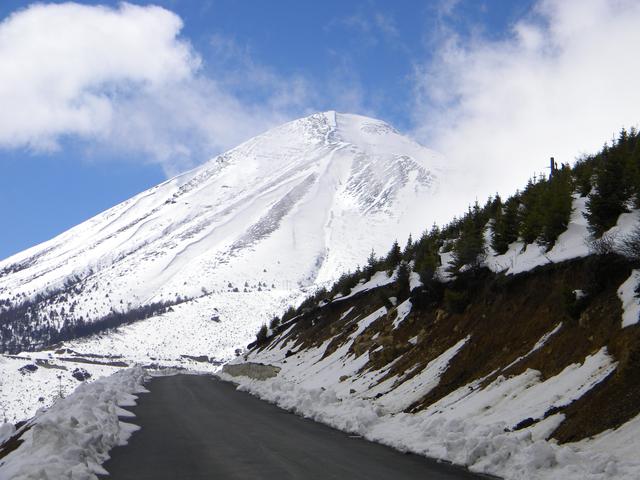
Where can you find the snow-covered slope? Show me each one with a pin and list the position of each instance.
(281, 213)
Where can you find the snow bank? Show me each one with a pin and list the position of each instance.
(402, 311)
(6, 432)
(378, 279)
(630, 302)
(572, 243)
(414, 280)
(489, 448)
(622, 441)
(508, 401)
(73, 437)
(473, 426)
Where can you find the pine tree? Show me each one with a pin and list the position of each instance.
(612, 190)
(408, 249)
(402, 280)
(393, 257)
(262, 334)
(583, 174)
(556, 206)
(426, 254)
(634, 165)
(492, 206)
(469, 248)
(372, 264)
(531, 211)
(506, 225)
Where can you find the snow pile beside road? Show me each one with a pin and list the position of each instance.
(489, 448)
(73, 437)
(319, 404)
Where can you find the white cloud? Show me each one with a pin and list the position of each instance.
(63, 65)
(563, 82)
(123, 79)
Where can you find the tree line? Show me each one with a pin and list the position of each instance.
(28, 325)
(539, 213)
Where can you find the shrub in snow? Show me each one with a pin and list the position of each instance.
(262, 335)
(80, 374)
(29, 368)
(275, 322)
(630, 245)
(604, 245)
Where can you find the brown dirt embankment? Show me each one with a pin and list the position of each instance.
(504, 316)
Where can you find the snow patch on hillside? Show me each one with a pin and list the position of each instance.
(629, 299)
(572, 243)
(409, 391)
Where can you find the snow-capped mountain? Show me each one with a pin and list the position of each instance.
(235, 239)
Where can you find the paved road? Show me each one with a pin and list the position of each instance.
(195, 427)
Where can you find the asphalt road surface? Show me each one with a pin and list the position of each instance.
(196, 427)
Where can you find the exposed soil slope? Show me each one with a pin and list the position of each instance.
(504, 318)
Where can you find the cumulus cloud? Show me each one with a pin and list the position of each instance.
(63, 66)
(562, 82)
(122, 78)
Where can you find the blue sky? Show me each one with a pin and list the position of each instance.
(199, 77)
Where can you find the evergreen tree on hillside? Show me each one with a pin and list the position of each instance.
(612, 190)
(583, 172)
(493, 206)
(634, 165)
(403, 281)
(426, 256)
(556, 206)
(531, 213)
(469, 248)
(393, 257)
(408, 249)
(372, 265)
(506, 225)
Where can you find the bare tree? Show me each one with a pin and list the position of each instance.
(605, 245)
(630, 245)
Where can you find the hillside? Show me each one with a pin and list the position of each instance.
(521, 362)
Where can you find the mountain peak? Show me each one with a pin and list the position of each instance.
(245, 234)
(348, 127)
